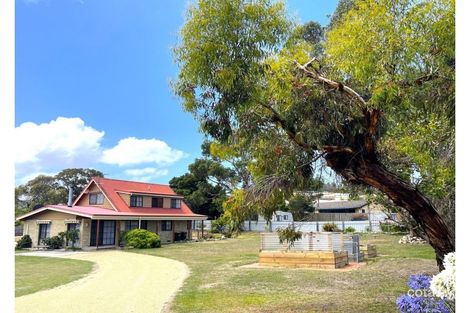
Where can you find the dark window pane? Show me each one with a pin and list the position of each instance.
(137, 201)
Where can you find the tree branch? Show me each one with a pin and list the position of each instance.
(292, 133)
(349, 92)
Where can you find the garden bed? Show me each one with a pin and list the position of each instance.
(314, 259)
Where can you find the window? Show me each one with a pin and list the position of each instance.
(44, 232)
(286, 217)
(72, 226)
(157, 202)
(130, 225)
(363, 211)
(95, 198)
(175, 203)
(137, 201)
(108, 233)
(166, 225)
(278, 218)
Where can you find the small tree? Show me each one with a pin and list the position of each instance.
(289, 235)
(72, 236)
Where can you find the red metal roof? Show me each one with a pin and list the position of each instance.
(94, 212)
(111, 187)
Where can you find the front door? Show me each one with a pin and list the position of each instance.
(106, 233)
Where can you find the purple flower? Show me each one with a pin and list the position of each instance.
(419, 281)
(409, 304)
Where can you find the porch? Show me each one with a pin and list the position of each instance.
(107, 233)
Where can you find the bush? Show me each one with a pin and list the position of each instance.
(24, 242)
(219, 225)
(54, 242)
(142, 239)
(349, 229)
(392, 228)
(330, 227)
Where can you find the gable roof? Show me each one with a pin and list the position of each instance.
(332, 205)
(112, 187)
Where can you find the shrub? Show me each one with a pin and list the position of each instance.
(330, 227)
(142, 239)
(24, 242)
(289, 235)
(392, 228)
(443, 284)
(54, 242)
(420, 298)
(349, 229)
(122, 237)
(219, 225)
(72, 236)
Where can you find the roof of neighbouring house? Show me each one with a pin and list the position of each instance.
(351, 204)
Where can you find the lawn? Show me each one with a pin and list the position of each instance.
(217, 283)
(34, 273)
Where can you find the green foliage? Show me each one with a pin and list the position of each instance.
(142, 239)
(122, 237)
(289, 235)
(24, 242)
(392, 228)
(54, 242)
(203, 187)
(72, 236)
(44, 189)
(300, 205)
(238, 77)
(330, 227)
(349, 229)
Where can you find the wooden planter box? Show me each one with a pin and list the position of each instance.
(314, 259)
(369, 251)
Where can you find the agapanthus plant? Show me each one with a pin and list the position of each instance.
(420, 298)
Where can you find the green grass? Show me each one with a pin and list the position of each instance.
(217, 283)
(34, 273)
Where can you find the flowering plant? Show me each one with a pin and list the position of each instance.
(420, 298)
(443, 284)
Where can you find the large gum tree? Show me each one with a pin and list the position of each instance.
(371, 97)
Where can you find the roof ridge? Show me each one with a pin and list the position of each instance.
(130, 181)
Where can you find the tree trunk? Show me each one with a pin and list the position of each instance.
(367, 170)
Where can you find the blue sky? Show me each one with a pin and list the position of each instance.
(92, 87)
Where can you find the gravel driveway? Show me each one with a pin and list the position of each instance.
(121, 282)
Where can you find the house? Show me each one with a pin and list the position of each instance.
(278, 216)
(107, 207)
(341, 206)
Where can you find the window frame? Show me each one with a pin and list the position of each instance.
(176, 201)
(164, 225)
(130, 225)
(47, 232)
(96, 196)
(134, 203)
(157, 202)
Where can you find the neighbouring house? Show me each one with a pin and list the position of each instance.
(278, 216)
(342, 206)
(107, 207)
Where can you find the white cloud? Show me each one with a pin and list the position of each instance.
(145, 174)
(131, 151)
(28, 177)
(64, 142)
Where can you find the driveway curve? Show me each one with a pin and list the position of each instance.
(121, 282)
